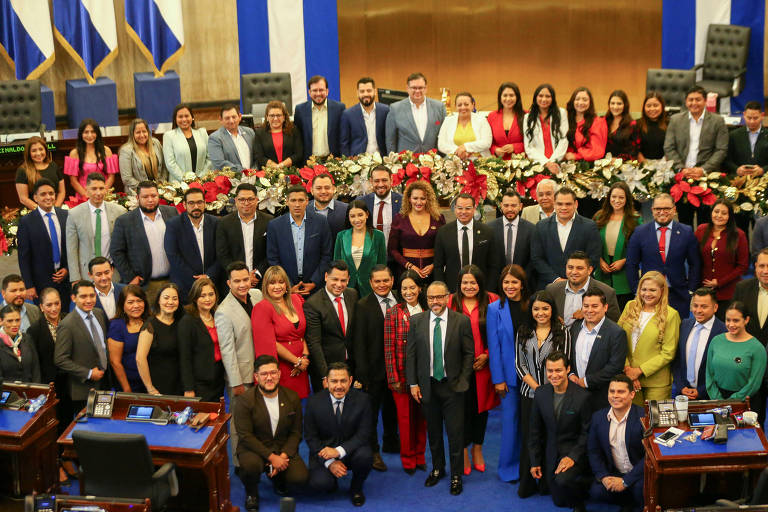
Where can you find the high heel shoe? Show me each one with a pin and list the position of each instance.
(479, 467)
(467, 470)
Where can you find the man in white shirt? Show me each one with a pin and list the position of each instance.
(417, 111)
(363, 125)
(383, 203)
(319, 120)
(545, 197)
(231, 146)
(101, 273)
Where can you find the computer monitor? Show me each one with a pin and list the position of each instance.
(389, 96)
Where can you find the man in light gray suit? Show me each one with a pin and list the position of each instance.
(88, 223)
(231, 145)
(233, 324)
(413, 124)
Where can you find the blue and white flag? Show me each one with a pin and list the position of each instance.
(157, 27)
(684, 39)
(87, 31)
(26, 38)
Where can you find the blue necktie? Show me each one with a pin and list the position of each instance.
(691, 365)
(54, 239)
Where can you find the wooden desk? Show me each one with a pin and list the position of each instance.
(28, 449)
(667, 475)
(200, 457)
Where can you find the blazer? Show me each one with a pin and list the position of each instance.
(598, 138)
(727, 267)
(484, 254)
(740, 150)
(713, 141)
(337, 217)
(80, 247)
(116, 289)
(326, 342)
(368, 348)
(458, 354)
(374, 253)
(132, 170)
(521, 255)
(36, 251)
(557, 291)
(184, 253)
(606, 359)
(129, 246)
(321, 429)
(370, 201)
(42, 339)
(233, 325)
(229, 241)
(302, 118)
(178, 159)
(501, 343)
(534, 146)
(75, 353)
(549, 259)
(746, 291)
(502, 138)
(254, 426)
(264, 148)
(402, 134)
(618, 279)
(196, 354)
(652, 356)
(354, 137)
(599, 444)
(317, 247)
(222, 151)
(531, 214)
(680, 364)
(480, 126)
(759, 237)
(26, 370)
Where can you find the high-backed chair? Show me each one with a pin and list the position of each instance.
(725, 60)
(21, 106)
(671, 84)
(261, 88)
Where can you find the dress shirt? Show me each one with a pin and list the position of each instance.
(273, 409)
(668, 236)
(419, 113)
(320, 129)
(87, 323)
(444, 329)
(155, 231)
(247, 228)
(753, 139)
(382, 305)
(48, 228)
(617, 438)
(369, 118)
(324, 211)
(198, 231)
(414, 310)
(243, 152)
(573, 301)
(298, 233)
(108, 301)
(342, 451)
(336, 308)
(701, 347)
(24, 317)
(563, 230)
(460, 236)
(762, 304)
(386, 214)
(694, 134)
(515, 223)
(583, 348)
(543, 215)
(104, 227)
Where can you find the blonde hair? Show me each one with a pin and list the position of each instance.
(148, 159)
(631, 315)
(29, 166)
(272, 274)
(432, 205)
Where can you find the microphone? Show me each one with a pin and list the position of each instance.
(287, 504)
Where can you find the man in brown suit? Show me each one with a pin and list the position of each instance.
(268, 423)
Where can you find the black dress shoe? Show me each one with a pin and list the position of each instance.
(434, 476)
(252, 503)
(421, 467)
(409, 471)
(358, 498)
(456, 485)
(378, 462)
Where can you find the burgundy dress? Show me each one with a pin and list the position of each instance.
(271, 328)
(407, 246)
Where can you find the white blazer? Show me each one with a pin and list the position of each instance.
(534, 147)
(178, 160)
(480, 126)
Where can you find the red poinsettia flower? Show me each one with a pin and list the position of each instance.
(196, 184)
(3, 242)
(211, 190)
(223, 184)
(75, 200)
(412, 173)
(527, 186)
(254, 172)
(694, 194)
(475, 184)
(180, 207)
(308, 174)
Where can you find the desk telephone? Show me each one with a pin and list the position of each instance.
(100, 404)
(662, 413)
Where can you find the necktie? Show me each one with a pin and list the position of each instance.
(691, 363)
(380, 216)
(438, 372)
(97, 341)
(663, 243)
(97, 234)
(54, 239)
(385, 302)
(465, 246)
(338, 412)
(341, 316)
(510, 242)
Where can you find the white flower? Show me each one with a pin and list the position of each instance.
(184, 186)
(747, 207)
(13, 230)
(190, 176)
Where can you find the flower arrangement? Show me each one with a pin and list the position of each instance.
(9, 225)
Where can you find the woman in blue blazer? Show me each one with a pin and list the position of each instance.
(360, 246)
(185, 148)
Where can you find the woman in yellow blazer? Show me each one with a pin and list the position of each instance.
(360, 246)
(652, 328)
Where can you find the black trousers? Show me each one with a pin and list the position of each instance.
(381, 400)
(568, 488)
(475, 422)
(445, 406)
(358, 462)
(252, 466)
(632, 496)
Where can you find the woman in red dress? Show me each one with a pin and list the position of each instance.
(278, 329)
(506, 122)
(587, 133)
(472, 299)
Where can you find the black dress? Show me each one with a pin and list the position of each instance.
(652, 141)
(163, 357)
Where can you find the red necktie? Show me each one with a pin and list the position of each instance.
(380, 217)
(341, 316)
(663, 243)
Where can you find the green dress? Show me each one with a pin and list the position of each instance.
(735, 367)
(616, 280)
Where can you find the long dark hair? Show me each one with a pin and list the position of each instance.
(182, 106)
(416, 278)
(457, 302)
(731, 231)
(518, 273)
(624, 130)
(359, 204)
(606, 210)
(642, 123)
(518, 106)
(555, 325)
(98, 144)
(553, 115)
(589, 116)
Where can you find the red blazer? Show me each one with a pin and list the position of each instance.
(396, 325)
(595, 148)
(727, 267)
(515, 136)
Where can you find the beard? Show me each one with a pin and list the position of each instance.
(367, 101)
(266, 391)
(148, 210)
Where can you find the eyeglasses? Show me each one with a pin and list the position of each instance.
(661, 209)
(245, 199)
(271, 373)
(196, 203)
(436, 297)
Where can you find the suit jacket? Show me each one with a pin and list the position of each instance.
(374, 252)
(549, 259)
(368, 340)
(302, 117)
(402, 133)
(229, 241)
(354, 137)
(326, 342)
(129, 246)
(759, 237)
(521, 255)
(607, 359)
(746, 292)
(233, 325)
(318, 247)
(222, 151)
(501, 343)
(680, 365)
(116, 289)
(254, 426)
(713, 141)
(653, 357)
(132, 169)
(80, 247)
(321, 429)
(740, 150)
(264, 148)
(178, 159)
(531, 214)
(184, 253)
(196, 354)
(458, 354)
(75, 353)
(485, 254)
(337, 217)
(36, 250)
(26, 370)
(557, 291)
(599, 444)
(41, 338)
(370, 200)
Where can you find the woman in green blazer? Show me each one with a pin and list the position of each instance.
(652, 328)
(360, 246)
(616, 220)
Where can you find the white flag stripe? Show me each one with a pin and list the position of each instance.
(35, 16)
(170, 10)
(103, 19)
(707, 13)
(286, 43)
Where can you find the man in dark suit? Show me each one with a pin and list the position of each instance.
(190, 243)
(101, 272)
(557, 441)
(559, 235)
(42, 244)
(680, 253)
(512, 234)
(599, 348)
(616, 452)
(753, 291)
(323, 113)
(465, 241)
(363, 126)
(337, 427)
(81, 345)
(231, 146)
(368, 352)
(438, 365)
(383, 202)
(268, 424)
(759, 237)
(330, 315)
(325, 204)
(13, 292)
(689, 370)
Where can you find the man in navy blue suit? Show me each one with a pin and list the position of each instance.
(324, 203)
(363, 126)
(690, 366)
(615, 448)
(670, 254)
(319, 120)
(383, 203)
(306, 253)
(190, 243)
